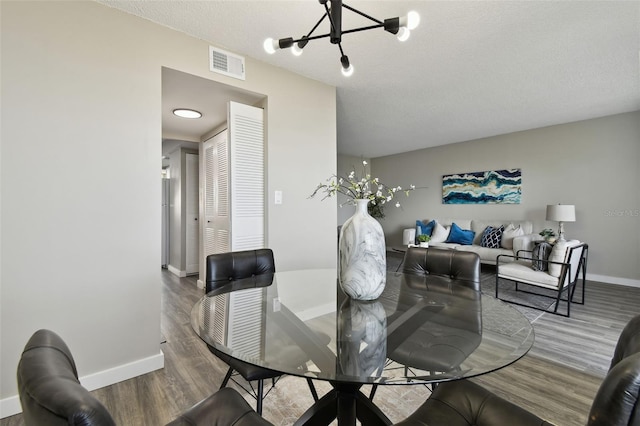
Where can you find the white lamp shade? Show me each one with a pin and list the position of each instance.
(561, 212)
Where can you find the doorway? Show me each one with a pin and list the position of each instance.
(210, 98)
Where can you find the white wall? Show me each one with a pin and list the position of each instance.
(593, 164)
(80, 164)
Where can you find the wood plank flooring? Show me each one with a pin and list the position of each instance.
(557, 379)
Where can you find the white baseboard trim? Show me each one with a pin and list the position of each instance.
(11, 405)
(613, 280)
(176, 271)
(200, 284)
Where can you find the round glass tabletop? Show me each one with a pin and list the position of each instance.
(420, 330)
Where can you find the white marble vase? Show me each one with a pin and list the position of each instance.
(363, 257)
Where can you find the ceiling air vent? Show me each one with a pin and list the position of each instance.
(226, 63)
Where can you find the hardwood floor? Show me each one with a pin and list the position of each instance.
(557, 379)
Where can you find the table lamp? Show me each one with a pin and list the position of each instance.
(561, 213)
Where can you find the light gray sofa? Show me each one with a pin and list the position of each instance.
(526, 241)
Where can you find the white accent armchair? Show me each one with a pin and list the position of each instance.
(560, 272)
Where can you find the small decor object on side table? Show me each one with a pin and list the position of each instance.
(548, 235)
(423, 239)
(362, 248)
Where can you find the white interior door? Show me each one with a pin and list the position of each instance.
(192, 240)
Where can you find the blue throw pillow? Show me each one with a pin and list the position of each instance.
(460, 236)
(425, 229)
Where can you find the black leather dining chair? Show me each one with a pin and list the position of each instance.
(449, 267)
(51, 394)
(464, 403)
(443, 333)
(222, 271)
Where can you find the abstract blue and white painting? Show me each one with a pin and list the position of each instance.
(490, 187)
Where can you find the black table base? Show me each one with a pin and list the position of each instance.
(345, 403)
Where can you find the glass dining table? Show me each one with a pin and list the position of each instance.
(417, 332)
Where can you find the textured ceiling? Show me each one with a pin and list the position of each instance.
(470, 70)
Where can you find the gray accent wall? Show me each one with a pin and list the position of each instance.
(593, 164)
(81, 159)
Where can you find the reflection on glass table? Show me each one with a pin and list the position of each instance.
(418, 331)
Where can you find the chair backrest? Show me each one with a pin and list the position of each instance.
(616, 403)
(573, 258)
(460, 266)
(50, 392)
(223, 268)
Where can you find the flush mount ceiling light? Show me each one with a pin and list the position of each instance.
(187, 113)
(333, 9)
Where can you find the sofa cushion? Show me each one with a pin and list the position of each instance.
(442, 244)
(487, 255)
(521, 271)
(510, 232)
(439, 234)
(460, 236)
(492, 237)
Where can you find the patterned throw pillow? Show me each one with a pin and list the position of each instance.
(492, 237)
(541, 252)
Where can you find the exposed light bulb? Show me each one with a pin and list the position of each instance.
(410, 21)
(296, 50)
(270, 45)
(347, 68)
(403, 34)
(413, 20)
(347, 72)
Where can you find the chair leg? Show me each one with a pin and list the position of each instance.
(314, 393)
(558, 300)
(374, 388)
(226, 378)
(259, 396)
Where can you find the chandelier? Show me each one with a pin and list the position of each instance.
(399, 26)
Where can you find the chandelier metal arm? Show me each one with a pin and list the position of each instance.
(343, 32)
(316, 25)
(361, 13)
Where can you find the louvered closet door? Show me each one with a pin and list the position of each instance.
(246, 134)
(216, 196)
(234, 184)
